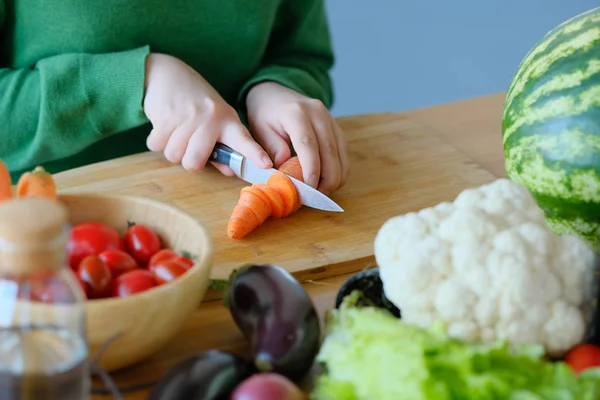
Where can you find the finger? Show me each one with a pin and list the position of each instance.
(224, 169)
(328, 153)
(304, 140)
(178, 142)
(343, 152)
(274, 144)
(159, 137)
(236, 136)
(199, 148)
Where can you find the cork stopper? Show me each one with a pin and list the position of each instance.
(31, 234)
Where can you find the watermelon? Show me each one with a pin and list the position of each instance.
(551, 126)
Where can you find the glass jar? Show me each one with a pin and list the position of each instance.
(43, 347)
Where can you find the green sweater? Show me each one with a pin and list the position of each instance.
(72, 76)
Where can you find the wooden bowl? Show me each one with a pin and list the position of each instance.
(144, 322)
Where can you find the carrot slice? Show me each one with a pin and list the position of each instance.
(275, 200)
(250, 212)
(292, 168)
(37, 183)
(5, 183)
(257, 202)
(280, 182)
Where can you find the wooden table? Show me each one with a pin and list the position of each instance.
(471, 127)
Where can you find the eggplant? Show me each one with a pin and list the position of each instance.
(212, 375)
(277, 317)
(369, 283)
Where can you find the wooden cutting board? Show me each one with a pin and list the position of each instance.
(399, 165)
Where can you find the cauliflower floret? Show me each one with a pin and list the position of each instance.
(490, 268)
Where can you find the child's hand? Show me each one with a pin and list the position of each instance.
(188, 117)
(277, 115)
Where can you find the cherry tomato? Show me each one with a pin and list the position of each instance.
(133, 282)
(96, 274)
(91, 238)
(118, 261)
(184, 261)
(583, 356)
(142, 243)
(162, 255)
(167, 270)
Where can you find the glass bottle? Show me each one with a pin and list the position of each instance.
(43, 347)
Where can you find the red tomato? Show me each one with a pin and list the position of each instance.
(118, 261)
(91, 238)
(132, 282)
(162, 255)
(167, 270)
(583, 356)
(142, 243)
(184, 261)
(96, 274)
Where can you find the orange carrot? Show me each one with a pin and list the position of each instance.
(5, 183)
(250, 212)
(280, 182)
(293, 168)
(274, 198)
(37, 183)
(277, 198)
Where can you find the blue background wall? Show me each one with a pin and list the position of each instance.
(394, 55)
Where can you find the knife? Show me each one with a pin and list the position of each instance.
(252, 173)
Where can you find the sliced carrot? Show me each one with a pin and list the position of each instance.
(250, 212)
(293, 168)
(5, 183)
(277, 198)
(37, 183)
(257, 202)
(277, 206)
(280, 182)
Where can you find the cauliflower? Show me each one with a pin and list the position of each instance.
(489, 267)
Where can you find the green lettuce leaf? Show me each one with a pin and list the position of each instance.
(368, 354)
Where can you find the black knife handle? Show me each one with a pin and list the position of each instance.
(221, 154)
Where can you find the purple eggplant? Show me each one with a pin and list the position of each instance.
(277, 317)
(212, 375)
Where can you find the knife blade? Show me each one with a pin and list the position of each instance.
(252, 173)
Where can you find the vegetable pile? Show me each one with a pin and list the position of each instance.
(105, 264)
(108, 265)
(278, 319)
(369, 354)
(550, 126)
(489, 267)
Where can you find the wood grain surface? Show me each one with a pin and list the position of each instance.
(400, 162)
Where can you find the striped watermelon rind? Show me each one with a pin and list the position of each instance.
(551, 126)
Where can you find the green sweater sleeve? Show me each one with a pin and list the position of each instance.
(66, 102)
(300, 54)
